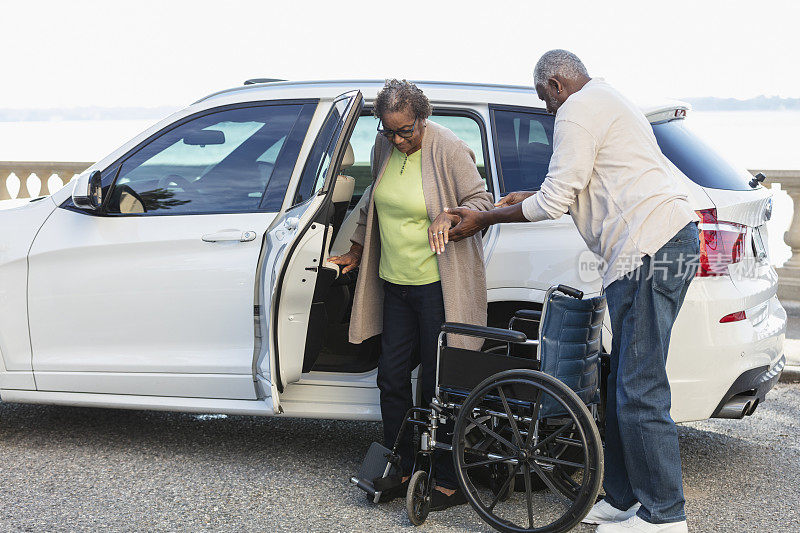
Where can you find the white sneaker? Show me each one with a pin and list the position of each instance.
(635, 524)
(604, 513)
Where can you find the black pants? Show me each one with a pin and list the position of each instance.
(412, 319)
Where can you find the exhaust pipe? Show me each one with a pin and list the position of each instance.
(737, 407)
(753, 407)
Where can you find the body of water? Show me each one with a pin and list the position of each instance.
(751, 139)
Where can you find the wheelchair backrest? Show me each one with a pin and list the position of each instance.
(569, 349)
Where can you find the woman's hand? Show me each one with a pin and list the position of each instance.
(514, 198)
(350, 260)
(438, 231)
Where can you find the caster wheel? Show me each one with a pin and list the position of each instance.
(418, 501)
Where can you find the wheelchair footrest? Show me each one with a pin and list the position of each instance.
(378, 472)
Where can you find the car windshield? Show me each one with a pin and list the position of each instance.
(697, 160)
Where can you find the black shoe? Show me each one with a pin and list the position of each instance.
(441, 501)
(388, 495)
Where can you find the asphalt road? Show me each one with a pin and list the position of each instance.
(76, 469)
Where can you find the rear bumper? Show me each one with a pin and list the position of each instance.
(709, 362)
(753, 384)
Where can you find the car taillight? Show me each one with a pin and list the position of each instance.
(721, 244)
(733, 317)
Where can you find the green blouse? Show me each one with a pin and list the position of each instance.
(406, 256)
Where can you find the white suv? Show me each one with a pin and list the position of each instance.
(187, 270)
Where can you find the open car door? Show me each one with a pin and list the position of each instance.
(296, 248)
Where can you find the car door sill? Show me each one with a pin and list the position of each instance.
(157, 403)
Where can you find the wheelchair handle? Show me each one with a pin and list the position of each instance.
(570, 291)
(484, 332)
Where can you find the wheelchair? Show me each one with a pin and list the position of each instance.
(526, 450)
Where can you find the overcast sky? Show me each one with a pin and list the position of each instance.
(150, 53)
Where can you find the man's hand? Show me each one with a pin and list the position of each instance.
(350, 260)
(513, 198)
(439, 231)
(470, 222)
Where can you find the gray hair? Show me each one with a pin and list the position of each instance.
(562, 63)
(399, 95)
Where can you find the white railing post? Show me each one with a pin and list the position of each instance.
(789, 273)
(4, 192)
(44, 170)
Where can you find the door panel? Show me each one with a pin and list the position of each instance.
(295, 308)
(296, 244)
(141, 295)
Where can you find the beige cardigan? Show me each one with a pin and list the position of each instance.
(449, 179)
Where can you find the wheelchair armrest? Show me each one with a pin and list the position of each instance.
(528, 314)
(485, 332)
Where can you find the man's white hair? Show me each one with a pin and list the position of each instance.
(562, 63)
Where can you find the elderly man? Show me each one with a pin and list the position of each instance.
(632, 211)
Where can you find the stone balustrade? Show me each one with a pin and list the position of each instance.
(29, 179)
(789, 273)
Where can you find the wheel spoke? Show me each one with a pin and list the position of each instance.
(574, 484)
(534, 419)
(489, 462)
(528, 490)
(550, 438)
(491, 433)
(510, 415)
(550, 485)
(503, 488)
(554, 461)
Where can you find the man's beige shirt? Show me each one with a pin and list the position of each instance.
(609, 172)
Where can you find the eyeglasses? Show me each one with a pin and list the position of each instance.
(405, 133)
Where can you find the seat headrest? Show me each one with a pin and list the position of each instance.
(348, 159)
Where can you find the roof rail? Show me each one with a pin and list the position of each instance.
(253, 81)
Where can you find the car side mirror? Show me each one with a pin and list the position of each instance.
(88, 191)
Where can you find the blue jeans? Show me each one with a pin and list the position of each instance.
(642, 458)
(412, 319)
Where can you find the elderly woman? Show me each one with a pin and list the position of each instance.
(411, 278)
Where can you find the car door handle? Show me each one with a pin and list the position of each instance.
(230, 235)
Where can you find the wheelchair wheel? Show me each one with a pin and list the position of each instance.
(498, 474)
(527, 418)
(418, 501)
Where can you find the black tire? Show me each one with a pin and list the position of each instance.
(514, 399)
(418, 501)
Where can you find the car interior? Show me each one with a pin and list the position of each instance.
(327, 347)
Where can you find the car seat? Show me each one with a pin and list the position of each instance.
(342, 191)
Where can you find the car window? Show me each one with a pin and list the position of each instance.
(318, 160)
(235, 160)
(697, 160)
(363, 139)
(523, 142)
(468, 130)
